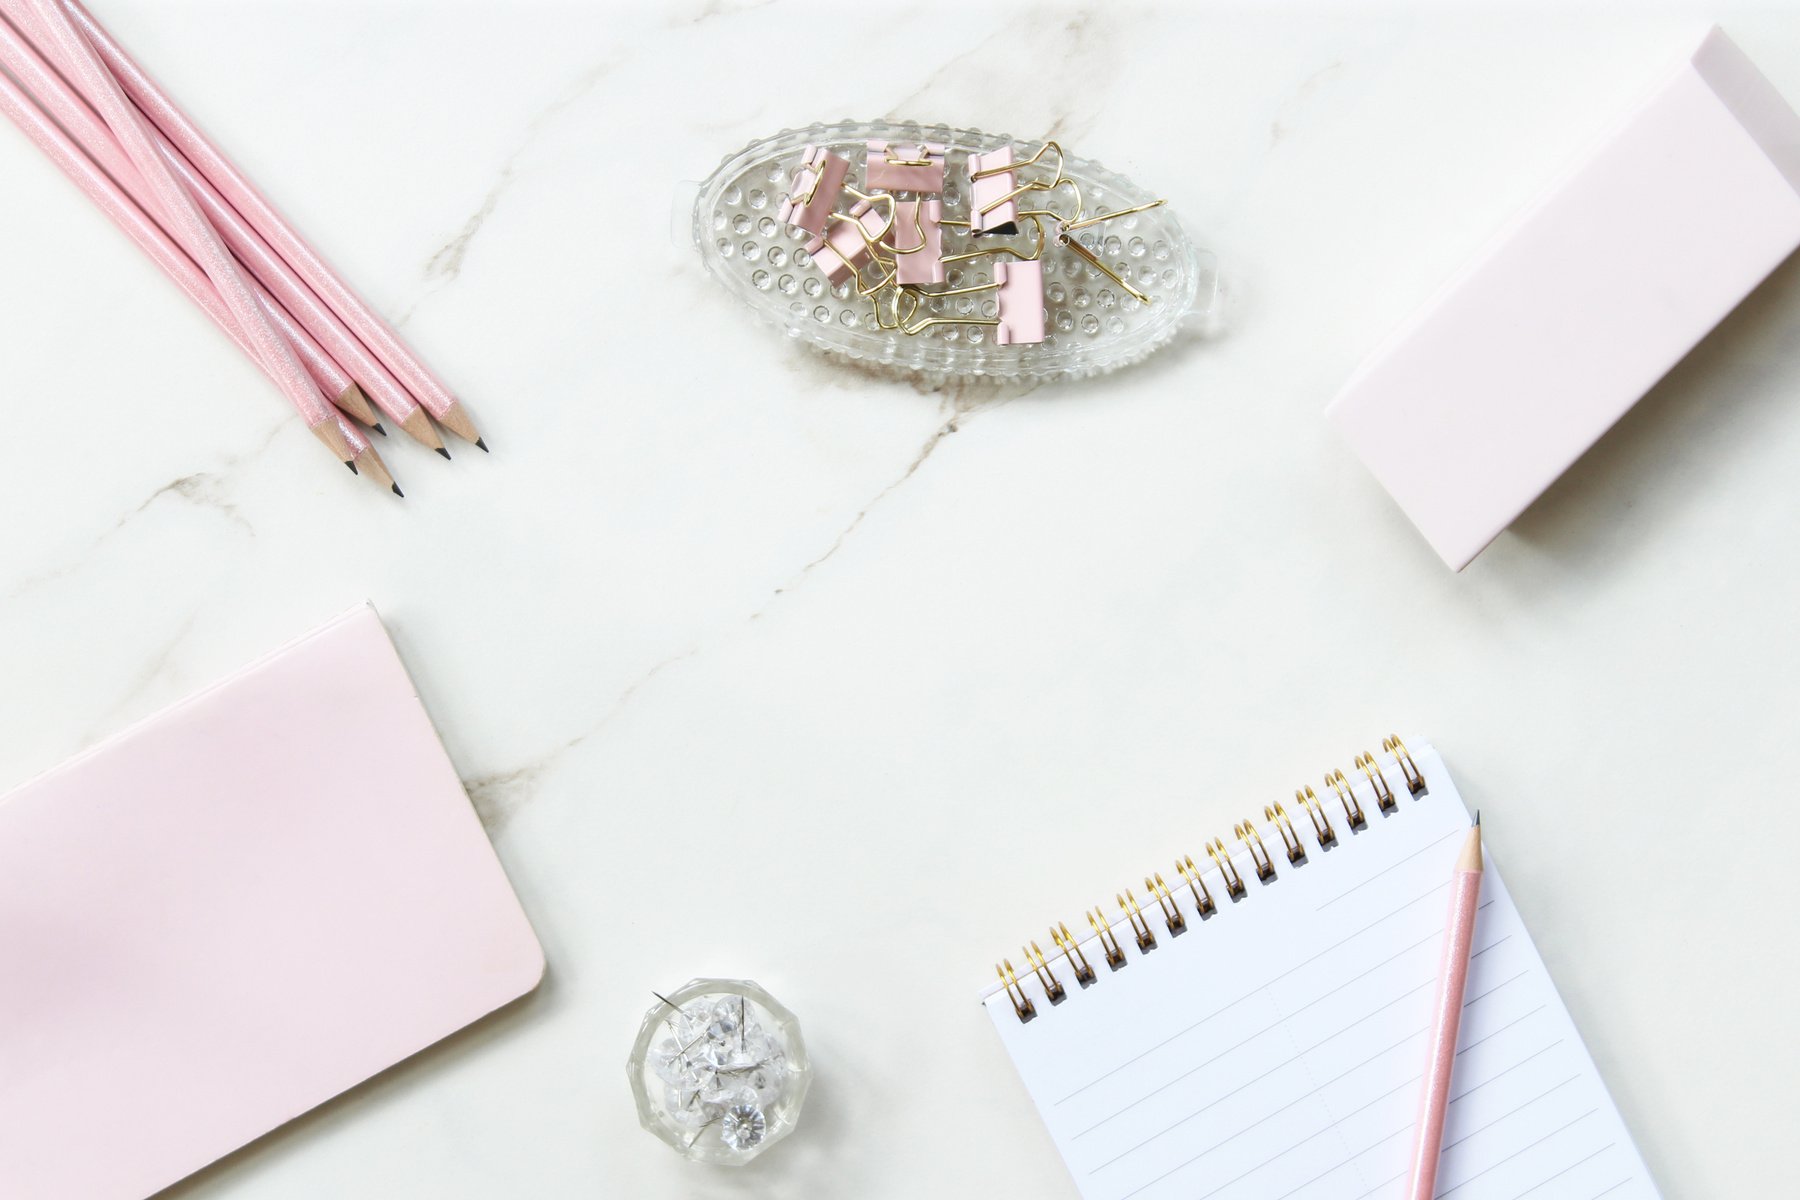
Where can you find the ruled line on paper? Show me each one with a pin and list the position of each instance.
(1264, 986)
(1327, 1128)
(1569, 1124)
(1585, 1158)
(1386, 869)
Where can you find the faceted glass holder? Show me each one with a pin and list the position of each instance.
(720, 1071)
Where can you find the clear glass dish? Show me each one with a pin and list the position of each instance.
(1093, 325)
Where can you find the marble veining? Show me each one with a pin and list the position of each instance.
(756, 664)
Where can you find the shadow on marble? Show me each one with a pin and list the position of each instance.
(1688, 430)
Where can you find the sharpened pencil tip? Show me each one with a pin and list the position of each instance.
(1478, 818)
(397, 491)
(353, 469)
(483, 444)
(379, 429)
(444, 452)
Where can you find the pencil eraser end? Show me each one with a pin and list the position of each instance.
(1578, 306)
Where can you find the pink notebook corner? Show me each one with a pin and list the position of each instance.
(234, 911)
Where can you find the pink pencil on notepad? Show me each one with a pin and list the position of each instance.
(1453, 975)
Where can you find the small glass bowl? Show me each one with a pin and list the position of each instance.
(719, 1071)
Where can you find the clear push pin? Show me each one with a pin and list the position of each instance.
(719, 1070)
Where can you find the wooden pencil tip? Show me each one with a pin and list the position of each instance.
(443, 452)
(352, 401)
(1470, 858)
(379, 428)
(417, 426)
(482, 442)
(353, 469)
(397, 491)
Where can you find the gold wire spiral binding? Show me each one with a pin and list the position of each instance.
(1293, 843)
(1353, 811)
(1234, 882)
(1415, 780)
(1109, 942)
(1245, 832)
(1015, 991)
(1034, 958)
(1384, 795)
(1203, 901)
(1140, 928)
(1166, 901)
(1308, 800)
(1284, 825)
(1078, 963)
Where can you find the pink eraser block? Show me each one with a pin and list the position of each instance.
(1582, 303)
(234, 911)
(915, 222)
(1021, 303)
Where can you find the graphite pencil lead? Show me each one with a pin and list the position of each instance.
(353, 469)
(379, 428)
(483, 444)
(397, 491)
(443, 452)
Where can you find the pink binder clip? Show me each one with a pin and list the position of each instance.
(1021, 296)
(846, 246)
(917, 241)
(906, 166)
(993, 198)
(818, 182)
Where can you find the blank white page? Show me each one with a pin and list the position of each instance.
(1274, 1050)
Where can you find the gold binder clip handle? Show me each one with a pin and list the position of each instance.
(1234, 882)
(1290, 837)
(1259, 853)
(1109, 941)
(1015, 991)
(1308, 800)
(1034, 958)
(1384, 795)
(1078, 963)
(1353, 811)
(1165, 899)
(1203, 901)
(1140, 928)
(1415, 779)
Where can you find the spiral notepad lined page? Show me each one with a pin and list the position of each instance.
(1274, 1049)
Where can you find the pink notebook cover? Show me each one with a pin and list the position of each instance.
(234, 911)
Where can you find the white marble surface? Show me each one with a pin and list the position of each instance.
(757, 667)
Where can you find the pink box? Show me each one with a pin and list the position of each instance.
(1582, 303)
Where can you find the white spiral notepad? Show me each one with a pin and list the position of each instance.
(1263, 1032)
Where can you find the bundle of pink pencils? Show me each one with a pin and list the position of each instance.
(71, 88)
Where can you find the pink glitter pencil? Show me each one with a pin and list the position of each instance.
(1434, 1098)
(19, 107)
(189, 228)
(242, 195)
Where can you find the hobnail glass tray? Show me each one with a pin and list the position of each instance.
(1092, 324)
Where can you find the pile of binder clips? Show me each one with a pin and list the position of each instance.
(889, 243)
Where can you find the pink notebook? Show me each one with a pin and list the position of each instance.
(232, 912)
